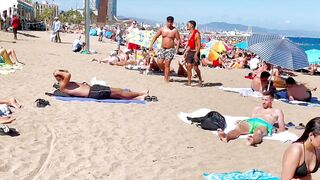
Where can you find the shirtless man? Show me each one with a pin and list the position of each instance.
(192, 53)
(5, 110)
(297, 91)
(260, 124)
(96, 91)
(119, 59)
(166, 54)
(260, 83)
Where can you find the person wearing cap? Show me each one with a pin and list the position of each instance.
(56, 28)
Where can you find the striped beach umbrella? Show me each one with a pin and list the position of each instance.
(280, 52)
(257, 38)
(313, 56)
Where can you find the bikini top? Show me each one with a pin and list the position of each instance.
(302, 170)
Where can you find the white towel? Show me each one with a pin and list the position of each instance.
(243, 91)
(231, 124)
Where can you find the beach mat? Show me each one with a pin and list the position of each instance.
(282, 96)
(121, 101)
(253, 174)
(231, 124)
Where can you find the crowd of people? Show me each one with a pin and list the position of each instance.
(301, 158)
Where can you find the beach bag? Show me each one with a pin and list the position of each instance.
(212, 121)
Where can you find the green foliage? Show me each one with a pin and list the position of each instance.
(71, 16)
(47, 15)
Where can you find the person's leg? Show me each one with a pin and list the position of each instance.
(160, 63)
(10, 102)
(154, 65)
(197, 70)
(6, 120)
(182, 71)
(15, 31)
(257, 136)
(122, 94)
(5, 56)
(167, 70)
(58, 37)
(12, 53)
(241, 129)
(189, 73)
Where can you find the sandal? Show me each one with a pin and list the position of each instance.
(5, 130)
(154, 98)
(290, 124)
(148, 98)
(300, 126)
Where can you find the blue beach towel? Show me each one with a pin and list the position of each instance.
(283, 97)
(122, 101)
(252, 175)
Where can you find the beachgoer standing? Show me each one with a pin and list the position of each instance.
(15, 23)
(56, 28)
(192, 53)
(133, 29)
(166, 54)
(119, 37)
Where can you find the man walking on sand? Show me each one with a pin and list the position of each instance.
(259, 125)
(15, 23)
(192, 53)
(166, 54)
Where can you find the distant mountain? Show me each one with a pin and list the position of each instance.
(141, 20)
(222, 26)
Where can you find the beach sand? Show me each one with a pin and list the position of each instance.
(82, 140)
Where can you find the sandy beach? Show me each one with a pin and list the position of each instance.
(84, 140)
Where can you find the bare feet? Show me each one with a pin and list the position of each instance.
(222, 135)
(13, 102)
(6, 120)
(250, 141)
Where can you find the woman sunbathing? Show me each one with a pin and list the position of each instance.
(118, 59)
(5, 54)
(303, 156)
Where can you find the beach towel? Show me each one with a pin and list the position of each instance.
(7, 69)
(231, 124)
(242, 91)
(121, 101)
(253, 174)
(283, 97)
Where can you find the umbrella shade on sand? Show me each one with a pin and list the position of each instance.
(313, 56)
(220, 46)
(281, 52)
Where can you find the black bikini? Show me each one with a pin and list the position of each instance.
(302, 170)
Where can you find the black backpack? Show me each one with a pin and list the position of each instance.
(212, 121)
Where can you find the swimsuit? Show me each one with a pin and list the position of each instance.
(192, 45)
(167, 54)
(302, 170)
(99, 92)
(255, 123)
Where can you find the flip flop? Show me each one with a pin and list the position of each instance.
(154, 98)
(290, 124)
(148, 98)
(300, 126)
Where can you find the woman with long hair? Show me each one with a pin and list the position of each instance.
(303, 156)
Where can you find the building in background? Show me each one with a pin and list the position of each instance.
(107, 9)
(39, 8)
(23, 8)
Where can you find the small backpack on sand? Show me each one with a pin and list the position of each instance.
(212, 121)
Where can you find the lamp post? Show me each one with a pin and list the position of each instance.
(87, 29)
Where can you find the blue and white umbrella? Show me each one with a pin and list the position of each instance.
(258, 38)
(280, 52)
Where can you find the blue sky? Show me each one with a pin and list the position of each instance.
(277, 14)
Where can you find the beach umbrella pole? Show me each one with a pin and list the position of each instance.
(269, 84)
(87, 18)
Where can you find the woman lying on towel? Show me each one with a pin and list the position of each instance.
(5, 54)
(96, 91)
(303, 156)
(119, 58)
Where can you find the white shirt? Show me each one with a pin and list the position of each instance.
(253, 63)
(75, 43)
